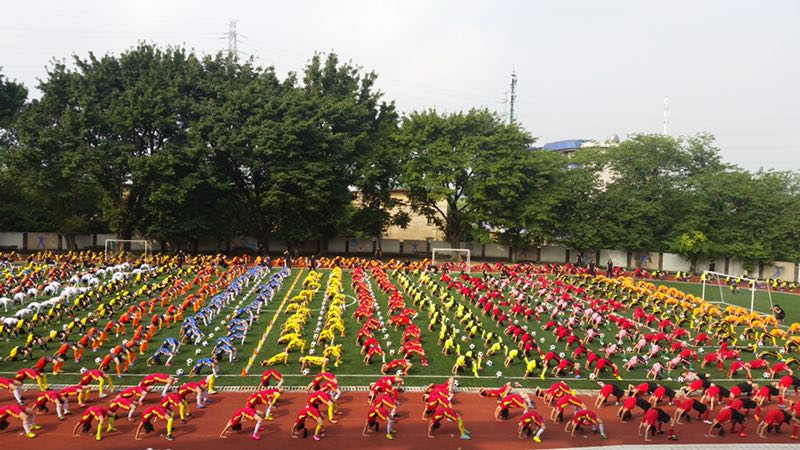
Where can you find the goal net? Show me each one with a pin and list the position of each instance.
(739, 291)
(453, 255)
(117, 246)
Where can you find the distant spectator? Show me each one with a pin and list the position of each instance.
(778, 312)
(287, 259)
(609, 268)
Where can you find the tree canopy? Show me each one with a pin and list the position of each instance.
(163, 143)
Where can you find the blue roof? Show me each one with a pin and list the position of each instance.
(569, 144)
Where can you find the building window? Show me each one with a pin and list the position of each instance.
(430, 221)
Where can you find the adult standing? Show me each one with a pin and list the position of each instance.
(609, 268)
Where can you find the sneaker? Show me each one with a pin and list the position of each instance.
(99, 438)
(537, 439)
(795, 437)
(31, 435)
(742, 434)
(201, 406)
(112, 429)
(255, 437)
(269, 418)
(603, 437)
(672, 437)
(212, 392)
(62, 417)
(170, 437)
(707, 422)
(36, 427)
(389, 436)
(466, 437)
(316, 438)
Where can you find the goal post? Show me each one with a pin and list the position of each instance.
(456, 251)
(714, 285)
(114, 246)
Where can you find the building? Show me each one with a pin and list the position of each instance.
(419, 228)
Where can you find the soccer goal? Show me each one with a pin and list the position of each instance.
(452, 252)
(115, 246)
(736, 291)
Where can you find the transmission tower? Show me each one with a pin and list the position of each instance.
(233, 40)
(512, 96)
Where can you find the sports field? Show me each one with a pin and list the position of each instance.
(261, 340)
(531, 320)
(720, 292)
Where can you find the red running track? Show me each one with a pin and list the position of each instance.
(202, 431)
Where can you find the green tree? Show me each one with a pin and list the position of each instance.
(450, 157)
(118, 111)
(519, 198)
(14, 215)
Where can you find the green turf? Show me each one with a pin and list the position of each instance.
(353, 371)
(715, 292)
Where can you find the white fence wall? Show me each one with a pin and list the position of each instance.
(414, 247)
(277, 246)
(440, 244)
(335, 245)
(554, 254)
(360, 246)
(784, 271)
(546, 254)
(101, 239)
(735, 267)
(390, 246)
(81, 240)
(526, 254)
(646, 260)
(618, 257)
(496, 251)
(11, 240)
(674, 263)
(208, 246)
(43, 241)
(247, 242)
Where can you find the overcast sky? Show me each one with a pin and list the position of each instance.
(587, 69)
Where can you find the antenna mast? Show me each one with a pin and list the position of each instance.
(512, 96)
(233, 40)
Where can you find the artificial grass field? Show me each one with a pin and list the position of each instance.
(352, 371)
(721, 292)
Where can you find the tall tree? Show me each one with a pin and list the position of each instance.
(14, 215)
(450, 156)
(121, 110)
(519, 198)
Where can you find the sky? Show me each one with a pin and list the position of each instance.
(586, 69)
